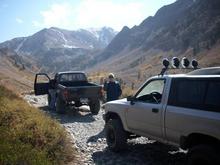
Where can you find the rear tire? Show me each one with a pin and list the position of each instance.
(94, 107)
(203, 155)
(60, 106)
(116, 136)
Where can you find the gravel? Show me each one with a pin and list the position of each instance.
(89, 140)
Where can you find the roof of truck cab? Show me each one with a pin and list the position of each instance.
(191, 76)
(206, 71)
(70, 72)
(211, 72)
(171, 76)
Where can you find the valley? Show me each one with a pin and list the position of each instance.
(134, 54)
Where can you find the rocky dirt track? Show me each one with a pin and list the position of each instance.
(89, 139)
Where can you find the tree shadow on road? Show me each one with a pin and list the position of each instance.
(146, 154)
(71, 116)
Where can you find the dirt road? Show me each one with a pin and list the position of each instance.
(89, 139)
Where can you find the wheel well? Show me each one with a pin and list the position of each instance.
(197, 138)
(111, 115)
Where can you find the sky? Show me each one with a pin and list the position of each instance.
(21, 18)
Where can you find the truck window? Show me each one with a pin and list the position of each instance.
(42, 79)
(152, 92)
(212, 96)
(187, 93)
(72, 77)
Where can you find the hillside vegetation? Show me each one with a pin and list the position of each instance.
(13, 74)
(28, 136)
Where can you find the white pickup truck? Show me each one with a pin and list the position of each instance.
(181, 110)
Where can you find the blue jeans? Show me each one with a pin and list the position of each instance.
(52, 94)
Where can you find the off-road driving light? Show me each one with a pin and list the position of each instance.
(175, 62)
(166, 62)
(194, 64)
(185, 62)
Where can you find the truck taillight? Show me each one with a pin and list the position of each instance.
(65, 94)
(102, 92)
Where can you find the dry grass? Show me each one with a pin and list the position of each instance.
(28, 136)
(127, 91)
(97, 76)
(13, 78)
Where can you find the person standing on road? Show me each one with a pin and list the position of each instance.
(112, 88)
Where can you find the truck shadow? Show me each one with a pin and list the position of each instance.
(71, 116)
(146, 154)
(96, 137)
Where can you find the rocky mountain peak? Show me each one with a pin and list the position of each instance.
(53, 37)
(58, 49)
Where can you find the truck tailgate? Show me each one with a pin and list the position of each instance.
(85, 92)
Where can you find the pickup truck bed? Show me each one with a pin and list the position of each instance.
(76, 90)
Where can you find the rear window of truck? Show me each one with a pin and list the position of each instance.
(213, 94)
(72, 77)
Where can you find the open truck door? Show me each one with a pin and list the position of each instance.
(41, 84)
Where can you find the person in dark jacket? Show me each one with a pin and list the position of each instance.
(112, 88)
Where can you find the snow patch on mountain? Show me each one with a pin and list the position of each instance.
(61, 35)
(70, 46)
(95, 32)
(20, 45)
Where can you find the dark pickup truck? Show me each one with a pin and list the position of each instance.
(69, 89)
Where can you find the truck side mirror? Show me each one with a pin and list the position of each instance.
(131, 99)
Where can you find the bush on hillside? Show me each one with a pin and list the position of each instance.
(28, 136)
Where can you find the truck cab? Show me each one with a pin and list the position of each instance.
(181, 110)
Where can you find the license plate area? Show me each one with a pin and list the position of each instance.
(84, 100)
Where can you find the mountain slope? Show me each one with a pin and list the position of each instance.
(171, 29)
(184, 28)
(16, 72)
(53, 37)
(57, 49)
